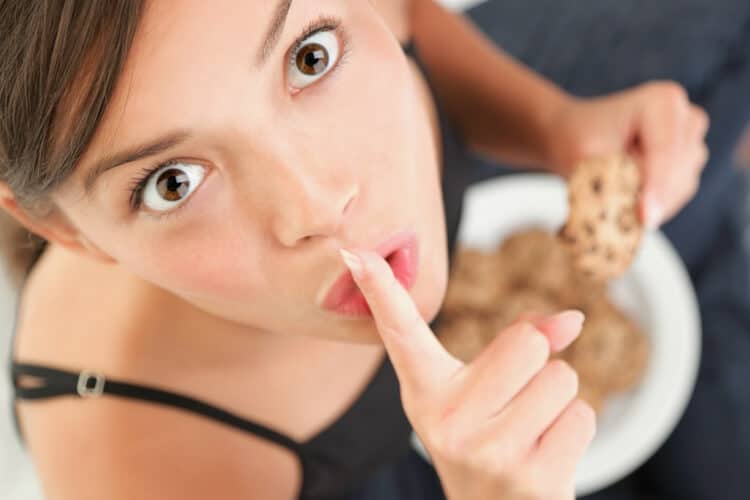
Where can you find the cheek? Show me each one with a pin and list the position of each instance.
(210, 263)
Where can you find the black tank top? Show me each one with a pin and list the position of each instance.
(373, 431)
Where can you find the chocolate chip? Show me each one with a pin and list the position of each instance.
(596, 185)
(589, 229)
(565, 235)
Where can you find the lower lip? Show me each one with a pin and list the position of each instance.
(403, 262)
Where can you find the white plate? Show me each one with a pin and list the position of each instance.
(656, 292)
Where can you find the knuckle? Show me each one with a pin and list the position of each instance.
(456, 447)
(448, 446)
(694, 186)
(692, 192)
(673, 94)
(564, 375)
(534, 342)
(499, 464)
(703, 120)
(689, 189)
(585, 415)
(705, 154)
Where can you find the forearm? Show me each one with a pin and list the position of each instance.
(502, 108)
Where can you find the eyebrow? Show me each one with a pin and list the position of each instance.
(172, 139)
(274, 30)
(139, 152)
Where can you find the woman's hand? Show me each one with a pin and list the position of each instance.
(508, 425)
(656, 123)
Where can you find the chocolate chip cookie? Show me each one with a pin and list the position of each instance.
(603, 230)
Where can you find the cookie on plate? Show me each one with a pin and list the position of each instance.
(475, 281)
(534, 258)
(462, 337)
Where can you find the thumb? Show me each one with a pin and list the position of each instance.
(660, 126)
(418, 357)
(649, 160)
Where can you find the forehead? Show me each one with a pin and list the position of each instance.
(190, 61)
(185, 40)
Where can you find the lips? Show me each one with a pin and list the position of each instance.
(401, 251)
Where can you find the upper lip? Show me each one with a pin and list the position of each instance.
(344, 285)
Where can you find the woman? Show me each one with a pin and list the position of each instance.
(206, 164)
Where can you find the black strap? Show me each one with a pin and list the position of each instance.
(59, 383)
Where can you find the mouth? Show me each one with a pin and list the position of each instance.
(400, 251)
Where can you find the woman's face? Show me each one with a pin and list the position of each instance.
(270, 155)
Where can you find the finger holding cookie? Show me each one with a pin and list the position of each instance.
(655, 123)
(670, 134)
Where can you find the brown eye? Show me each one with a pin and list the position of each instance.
(172, 185)
(312, 59)
(315, 57)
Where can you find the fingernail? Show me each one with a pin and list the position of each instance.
(353, 262)
(562, 329)
(654, 213)
(573, 318)
(573, 321)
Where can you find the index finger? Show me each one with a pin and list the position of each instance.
(418, 357)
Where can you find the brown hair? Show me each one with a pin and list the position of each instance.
(59, 59)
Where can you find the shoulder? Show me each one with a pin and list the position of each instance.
(70, 308)
(120, 449)
(74, 314)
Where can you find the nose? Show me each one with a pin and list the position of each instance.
(311, 205)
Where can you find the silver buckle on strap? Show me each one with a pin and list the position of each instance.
(85, 390)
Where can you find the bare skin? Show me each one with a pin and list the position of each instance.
(210, 336)
(142, 334)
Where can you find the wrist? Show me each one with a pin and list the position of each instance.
(554, 141)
